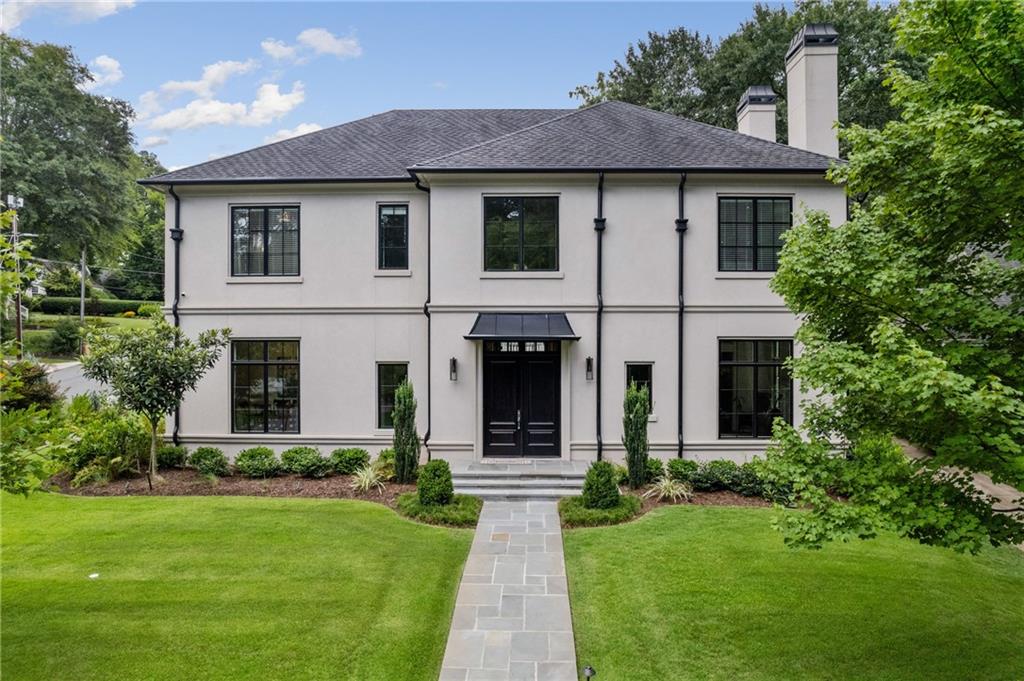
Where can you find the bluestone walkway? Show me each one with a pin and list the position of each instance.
(512, 620)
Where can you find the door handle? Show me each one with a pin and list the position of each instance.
(518, 426)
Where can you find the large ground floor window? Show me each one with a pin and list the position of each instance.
(265, 386)
(389, 376)
(754, 386)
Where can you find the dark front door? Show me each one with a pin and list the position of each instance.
(522, 398)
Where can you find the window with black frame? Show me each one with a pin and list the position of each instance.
(393, 237)
(389, 377)
(264, 241)
(265, 386)
(750, 233)
(642, 373)
(754, 387)
(520, 233)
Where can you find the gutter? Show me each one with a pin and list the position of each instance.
(426, 312)
(599, 225)
(681, 227)
(176, 236)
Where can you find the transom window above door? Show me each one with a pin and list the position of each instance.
(520, 233)
(265, 241)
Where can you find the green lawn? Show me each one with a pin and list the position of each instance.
(49, 320)
(223, 588)
(694, 592)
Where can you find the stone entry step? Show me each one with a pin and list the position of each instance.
(519, 479)
(519, 494)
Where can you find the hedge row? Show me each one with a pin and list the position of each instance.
(93, 306)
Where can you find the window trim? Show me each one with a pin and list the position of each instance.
(265, 207)
(755, 364)
(264, 363)
(378, 268)
(650, 396)
(520, 196)
(753, 236)
(377, 392)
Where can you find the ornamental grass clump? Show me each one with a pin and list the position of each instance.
(434, 485)
(667, 489)
(368, 478)
(600, 487)
(406, 441)
(635, 413)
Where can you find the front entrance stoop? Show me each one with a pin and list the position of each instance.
(519, 479)
(512, 620)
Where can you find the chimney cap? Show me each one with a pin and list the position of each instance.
(757, 94)
(813, 34)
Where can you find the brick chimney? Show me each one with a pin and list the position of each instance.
(755, 114)
(812, 89)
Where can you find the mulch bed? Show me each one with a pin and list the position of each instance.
(176, 483)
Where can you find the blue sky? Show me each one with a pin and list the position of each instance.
(209, 79)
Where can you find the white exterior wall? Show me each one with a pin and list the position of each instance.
(348, 318)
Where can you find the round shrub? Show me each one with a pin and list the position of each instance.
(209, 461)
(682, 470)
(655, 470)
(347, 461)
(128, 314)
(65, 338)
(305, 461)
(715, 475)
(600, 487)
(150, 310)
(171, 456)
(435, 483)
(257, 462)
(25, 384)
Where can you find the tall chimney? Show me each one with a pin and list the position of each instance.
(812, 89)
(755, 114)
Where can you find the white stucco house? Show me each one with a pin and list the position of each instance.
(518, 266)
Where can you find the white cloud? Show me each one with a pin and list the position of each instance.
(278, 49)
(14, 12)
(322, 41)
(269, 105)
(105, 71)
(213, 78)
(154, 141)
(300, 129)
(149, 105)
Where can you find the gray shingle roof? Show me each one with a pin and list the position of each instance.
(607, 136)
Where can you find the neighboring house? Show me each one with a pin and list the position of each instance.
(518, 266)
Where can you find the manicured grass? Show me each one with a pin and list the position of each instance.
(223, 588)
(463, 511)
(692, 592)
(49, 320)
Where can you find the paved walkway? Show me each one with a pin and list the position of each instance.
(512, 620)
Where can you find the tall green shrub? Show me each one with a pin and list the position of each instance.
(435, 484)
(635, 410)
(407, 442)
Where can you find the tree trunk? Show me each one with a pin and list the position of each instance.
(152, 453)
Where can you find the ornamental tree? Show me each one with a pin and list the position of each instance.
(913, 310)
(150, 370)
(406, 441)
(635, 411)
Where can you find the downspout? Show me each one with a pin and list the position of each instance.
(426, 312)
(176, 236)
(681, 226)
(599, 224)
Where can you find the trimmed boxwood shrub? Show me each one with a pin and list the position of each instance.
(463, 511)
(655, 470)
(93, 306)
(601, 486)
(305, 461)
(712, 476)
(348, 460)
(574, 513)
(257, 462)
(435, 483)
(747, 482)
(682, 470)
(171, 456)
(209, 461)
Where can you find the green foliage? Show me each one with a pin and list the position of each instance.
(621, 474)
(209, 461)
(385, 464)
(28, 449)
(369, 478)
(913, 310)
(346, 461)
(171, 456)
(600, 486)
(635, 412)
(655, 470)
(575, 513)
(64, 281)
(257, 462)
(407, 442)
(24, 384)
(681, 470)
(104, 442)
(150, 310)
(434, 484)
(667, 489)
(305, 461)
(747, 481)
(461, 511)
(66, 338)
(714, 476)
(93, 306)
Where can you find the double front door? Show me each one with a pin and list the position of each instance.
(522, 400)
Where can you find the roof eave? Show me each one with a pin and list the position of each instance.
(151, 181)
(605, 169)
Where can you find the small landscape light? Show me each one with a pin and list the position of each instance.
(589, 672)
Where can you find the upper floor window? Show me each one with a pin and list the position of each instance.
(749, 233)
(754, 386)
(264, 241)
(265, 386)
(520, 233)
(393, 237)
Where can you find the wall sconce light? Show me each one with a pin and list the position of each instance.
(590, 368)
(453, 370)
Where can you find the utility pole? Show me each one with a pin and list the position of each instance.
(81, 305)
(17, 202)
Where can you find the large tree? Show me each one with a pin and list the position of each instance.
(138, 272)
(913, 310)
(68, 153)
(684, 73)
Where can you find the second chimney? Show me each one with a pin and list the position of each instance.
(755, 114)
(812, 89)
